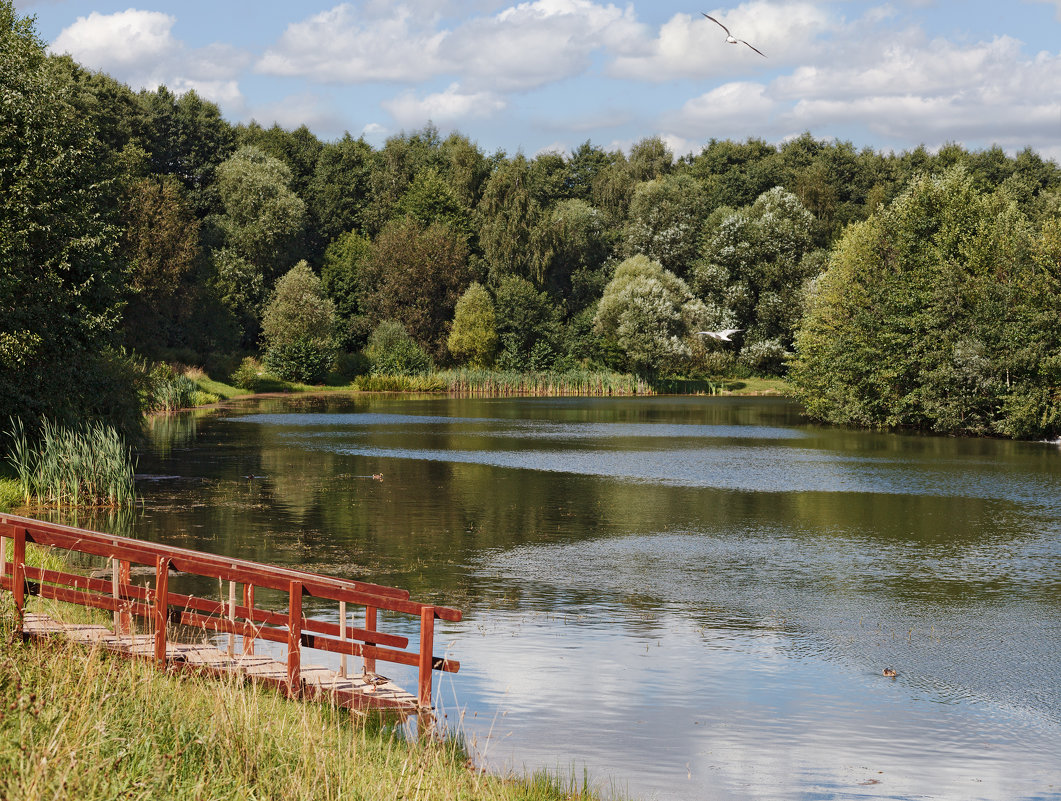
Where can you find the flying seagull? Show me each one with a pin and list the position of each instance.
(723, 335)
(731, 38)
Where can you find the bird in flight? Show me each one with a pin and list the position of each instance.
(723, 335)
(731, 38)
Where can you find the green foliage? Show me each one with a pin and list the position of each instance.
(263, 217)
(299, 311)
(86, 465)
(252, 375)
(473, 338)
(300, 360)
(755, 263)
(937, 313)
(341, 281)
(666, 216)
(415, 275)
(650, 314)
(527, 326)
(391, 351)
(61, 283)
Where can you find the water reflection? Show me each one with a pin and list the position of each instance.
(693, 597)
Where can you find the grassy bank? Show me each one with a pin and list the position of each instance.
(85, 724)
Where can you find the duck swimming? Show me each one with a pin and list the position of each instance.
(890, 673)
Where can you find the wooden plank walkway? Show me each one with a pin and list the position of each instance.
(168, 615)
(365, 691)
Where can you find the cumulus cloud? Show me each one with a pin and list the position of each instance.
(732, 109)
(443, 107)
(118, 43)
(348, 45)
(138, 47)
(521, 47)
(692, 46)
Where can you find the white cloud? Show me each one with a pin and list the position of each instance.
(447, 106)
(533, 44)
(310, 109)
(138, 47)
(732, 109)
(521, 47)
(343, 45)
(692, 46)
(118, 43)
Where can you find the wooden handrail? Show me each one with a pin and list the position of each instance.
(160, 606)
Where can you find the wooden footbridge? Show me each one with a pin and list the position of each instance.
(152, 622)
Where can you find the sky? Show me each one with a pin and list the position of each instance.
(548, 75)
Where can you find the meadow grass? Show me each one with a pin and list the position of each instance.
(11, 495)
(87, 465)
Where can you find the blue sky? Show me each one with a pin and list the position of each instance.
(550, 74)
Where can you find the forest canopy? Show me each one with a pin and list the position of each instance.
(912, 289)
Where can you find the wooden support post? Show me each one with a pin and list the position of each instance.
(427, 647)
(294, 640)
(116, 594)
(232, 617)
(248, 627)
(370, 625)
(161, 607)
(124, 580)
(342, 637)
(18, 576)
(3, 557)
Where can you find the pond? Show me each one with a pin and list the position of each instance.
(680, 598)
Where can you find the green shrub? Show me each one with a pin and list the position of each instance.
(302, 360)
(391, 351)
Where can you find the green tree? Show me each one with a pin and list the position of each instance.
(755, 262)
(936, 313)
(61, 284)
(414, 275)
(161, 244)
(509, 233)
(187, 137)
(527, 325)
(665, 220)
(339, 191)
(299, 326)
(473, 337)
(650, 159)
(341, 279)
(649, 314)
(263, 217)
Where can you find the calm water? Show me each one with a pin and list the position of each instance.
(689, 598)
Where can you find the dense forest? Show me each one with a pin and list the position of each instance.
(915, 289)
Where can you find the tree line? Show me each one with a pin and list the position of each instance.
(144, 226)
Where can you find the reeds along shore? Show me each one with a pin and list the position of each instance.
(86, 465)
(577, 383)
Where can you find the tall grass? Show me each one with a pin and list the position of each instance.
(88, 465)
(598, 383)
(92, 726)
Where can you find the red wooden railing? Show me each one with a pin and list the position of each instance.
(160, 606)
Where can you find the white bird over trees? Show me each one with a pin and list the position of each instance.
(731, 38)
(723, 335)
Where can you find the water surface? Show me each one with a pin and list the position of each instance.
(688, 597)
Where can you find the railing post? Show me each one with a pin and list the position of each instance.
(294, 640)
(161, 606)
(124, 579)
(342, 637)
(232, 617)
(18, 576)
(427, 647)
(370, 625)
(248, 627)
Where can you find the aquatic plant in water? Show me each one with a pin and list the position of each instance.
(87, 465)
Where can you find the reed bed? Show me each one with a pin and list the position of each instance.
(401, 383)
(591, 383)
(87, 465)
